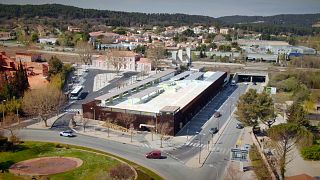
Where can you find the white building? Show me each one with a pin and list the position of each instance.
(213, 30)
(224, 31)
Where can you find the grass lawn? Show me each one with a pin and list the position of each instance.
(94, 166)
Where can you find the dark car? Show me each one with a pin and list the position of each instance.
(254, 83)
(239, 126)
(156, 154)
(213, 130)
(217, 114)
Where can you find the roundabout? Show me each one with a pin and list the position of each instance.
(45, 165)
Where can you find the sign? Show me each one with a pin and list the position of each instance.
(271, 90)
(239, 154)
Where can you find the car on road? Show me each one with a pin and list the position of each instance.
(67, 133)
(156, 154)
(213, 130)
(254, 83)
(217, 114)
(246, 83)
(239, 126)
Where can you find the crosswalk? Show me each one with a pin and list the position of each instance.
(146, 145)
(72, 110)
(213, 149)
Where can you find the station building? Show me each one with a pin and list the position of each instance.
(163, 97)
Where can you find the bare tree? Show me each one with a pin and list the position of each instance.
(84, 51)
(152, 129)
(115, 59)
(156, 53)
(9, 125)
(127, 119)
(85, 121)
(164, 129)
(42, 102)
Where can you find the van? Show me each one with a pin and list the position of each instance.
(154, 154)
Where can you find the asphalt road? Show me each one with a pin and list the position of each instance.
(224, 102)
(74, 106)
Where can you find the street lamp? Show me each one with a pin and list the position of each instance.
(200, 134)
(94, 113)
(3, 110)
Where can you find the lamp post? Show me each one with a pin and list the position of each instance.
(3, 110)
(94, 113)
(200, 145)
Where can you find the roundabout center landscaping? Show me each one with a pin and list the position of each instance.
(39, 160)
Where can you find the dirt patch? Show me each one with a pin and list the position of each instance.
(45, 166)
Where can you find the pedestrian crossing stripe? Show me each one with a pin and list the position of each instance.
(146, 145)
(73, 110)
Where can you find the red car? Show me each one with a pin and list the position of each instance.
(156, 154)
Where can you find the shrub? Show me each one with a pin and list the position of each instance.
(121, 171)
(311, 153)
(259, 167)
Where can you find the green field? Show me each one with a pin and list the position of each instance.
(95, 166)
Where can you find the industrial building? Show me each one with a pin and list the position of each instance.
(163, 97)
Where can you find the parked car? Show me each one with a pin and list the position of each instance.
(67, 133)
(239, 126)
(254, 83)
(213, 130)
(156, 154)
(217, 114)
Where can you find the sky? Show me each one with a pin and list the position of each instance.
(213, 8)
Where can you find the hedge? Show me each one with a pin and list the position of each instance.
(311, 153)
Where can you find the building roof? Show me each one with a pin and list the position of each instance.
(215, 76)
(300, 177)
(135, 85)
(123, 53)
(145, 92)
(170, 109)
(144, 60)
(194, 76)
(181, 75)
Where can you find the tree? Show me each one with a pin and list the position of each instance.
(253, 107)
(152, 129)
(8, 125)
(284, 138)
(84, 51)
(163, 129)
(296, 114)
(156, 53)
(117, 61)
(34, 37)
(42, 102)
(85, 121)
(127, 119)
(55, 65)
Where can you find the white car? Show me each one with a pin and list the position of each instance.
(67, 133)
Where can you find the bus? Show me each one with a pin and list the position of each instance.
(75, 93)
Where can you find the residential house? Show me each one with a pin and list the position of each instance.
(27, 57)
(127, 61)
(143, 65)
(224, 31)
(7, 36)
(213, 30)
(74, 29)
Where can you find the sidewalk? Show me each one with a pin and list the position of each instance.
(40, 124)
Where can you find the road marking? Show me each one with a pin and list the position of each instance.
(72, 110)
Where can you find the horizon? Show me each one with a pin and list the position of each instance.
(304, 8)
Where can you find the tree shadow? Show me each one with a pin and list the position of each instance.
(4, 166)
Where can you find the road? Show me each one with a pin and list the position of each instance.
(224, 102)
(74, 106)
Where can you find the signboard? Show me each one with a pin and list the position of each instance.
(271, 90)
(239, 154)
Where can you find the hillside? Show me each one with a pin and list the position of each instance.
(303, 20)
(116, 18)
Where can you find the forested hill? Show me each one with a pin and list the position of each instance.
(114, 18)
(303, 20)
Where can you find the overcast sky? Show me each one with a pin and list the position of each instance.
(214, 8)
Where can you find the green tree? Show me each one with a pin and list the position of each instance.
(55, 66)
(140, 49)
(253, 107)
(284, 138)
(297, 115)
(189, 33)
(34, 37)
